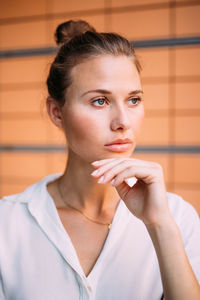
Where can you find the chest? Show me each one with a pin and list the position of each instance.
(128, 270)
(88, 239)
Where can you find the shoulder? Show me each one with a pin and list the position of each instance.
(14, 203)
(7, 203)
(180, 208)
(186, 218)
(29, 191)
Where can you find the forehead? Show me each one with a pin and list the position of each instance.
(108, 72)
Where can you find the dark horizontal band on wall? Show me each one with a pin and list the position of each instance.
(171, 42)
(139, 149)
(27, 52)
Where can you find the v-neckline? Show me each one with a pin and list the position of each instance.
(45, 212)
(105, 245)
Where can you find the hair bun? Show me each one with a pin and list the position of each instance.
(68, 30)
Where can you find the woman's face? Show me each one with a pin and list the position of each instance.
(103, 111)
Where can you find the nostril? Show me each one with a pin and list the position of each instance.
(117, 125)
(120, 119)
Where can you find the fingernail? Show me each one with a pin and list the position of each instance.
(101, 179)
(94, 172)
(95, 163)
(112, 182)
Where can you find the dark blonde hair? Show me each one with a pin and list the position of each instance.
(78, 41)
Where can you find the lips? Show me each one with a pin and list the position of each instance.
(119, 141)
(119, 145)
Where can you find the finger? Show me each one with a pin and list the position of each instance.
(101, 162)
(107, 166)
(114, 171)
(148, 175)
(127, 173)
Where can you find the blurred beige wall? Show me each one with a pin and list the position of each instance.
(171, 82)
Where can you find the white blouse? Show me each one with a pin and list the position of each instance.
(38, 260)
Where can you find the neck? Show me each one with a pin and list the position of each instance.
(82, 191)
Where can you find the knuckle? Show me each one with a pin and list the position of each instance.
(157, 166)
(157, 170)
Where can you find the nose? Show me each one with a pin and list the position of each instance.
(120, 120)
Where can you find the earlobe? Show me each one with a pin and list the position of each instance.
(54, 111)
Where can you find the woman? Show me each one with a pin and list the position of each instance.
(90, 233)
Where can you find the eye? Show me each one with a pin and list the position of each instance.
(135, 100)
(99, 102)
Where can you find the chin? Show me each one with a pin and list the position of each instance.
(96, 155)
(118, 154)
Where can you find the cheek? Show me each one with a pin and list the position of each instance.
(138, 122)
(80, 127)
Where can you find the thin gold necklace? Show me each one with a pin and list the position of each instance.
(87, 217)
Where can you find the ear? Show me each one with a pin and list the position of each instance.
(54, 111)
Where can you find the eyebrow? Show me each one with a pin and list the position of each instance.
(100, 91)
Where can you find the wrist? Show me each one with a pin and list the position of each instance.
(166, 237)
(165, 226)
